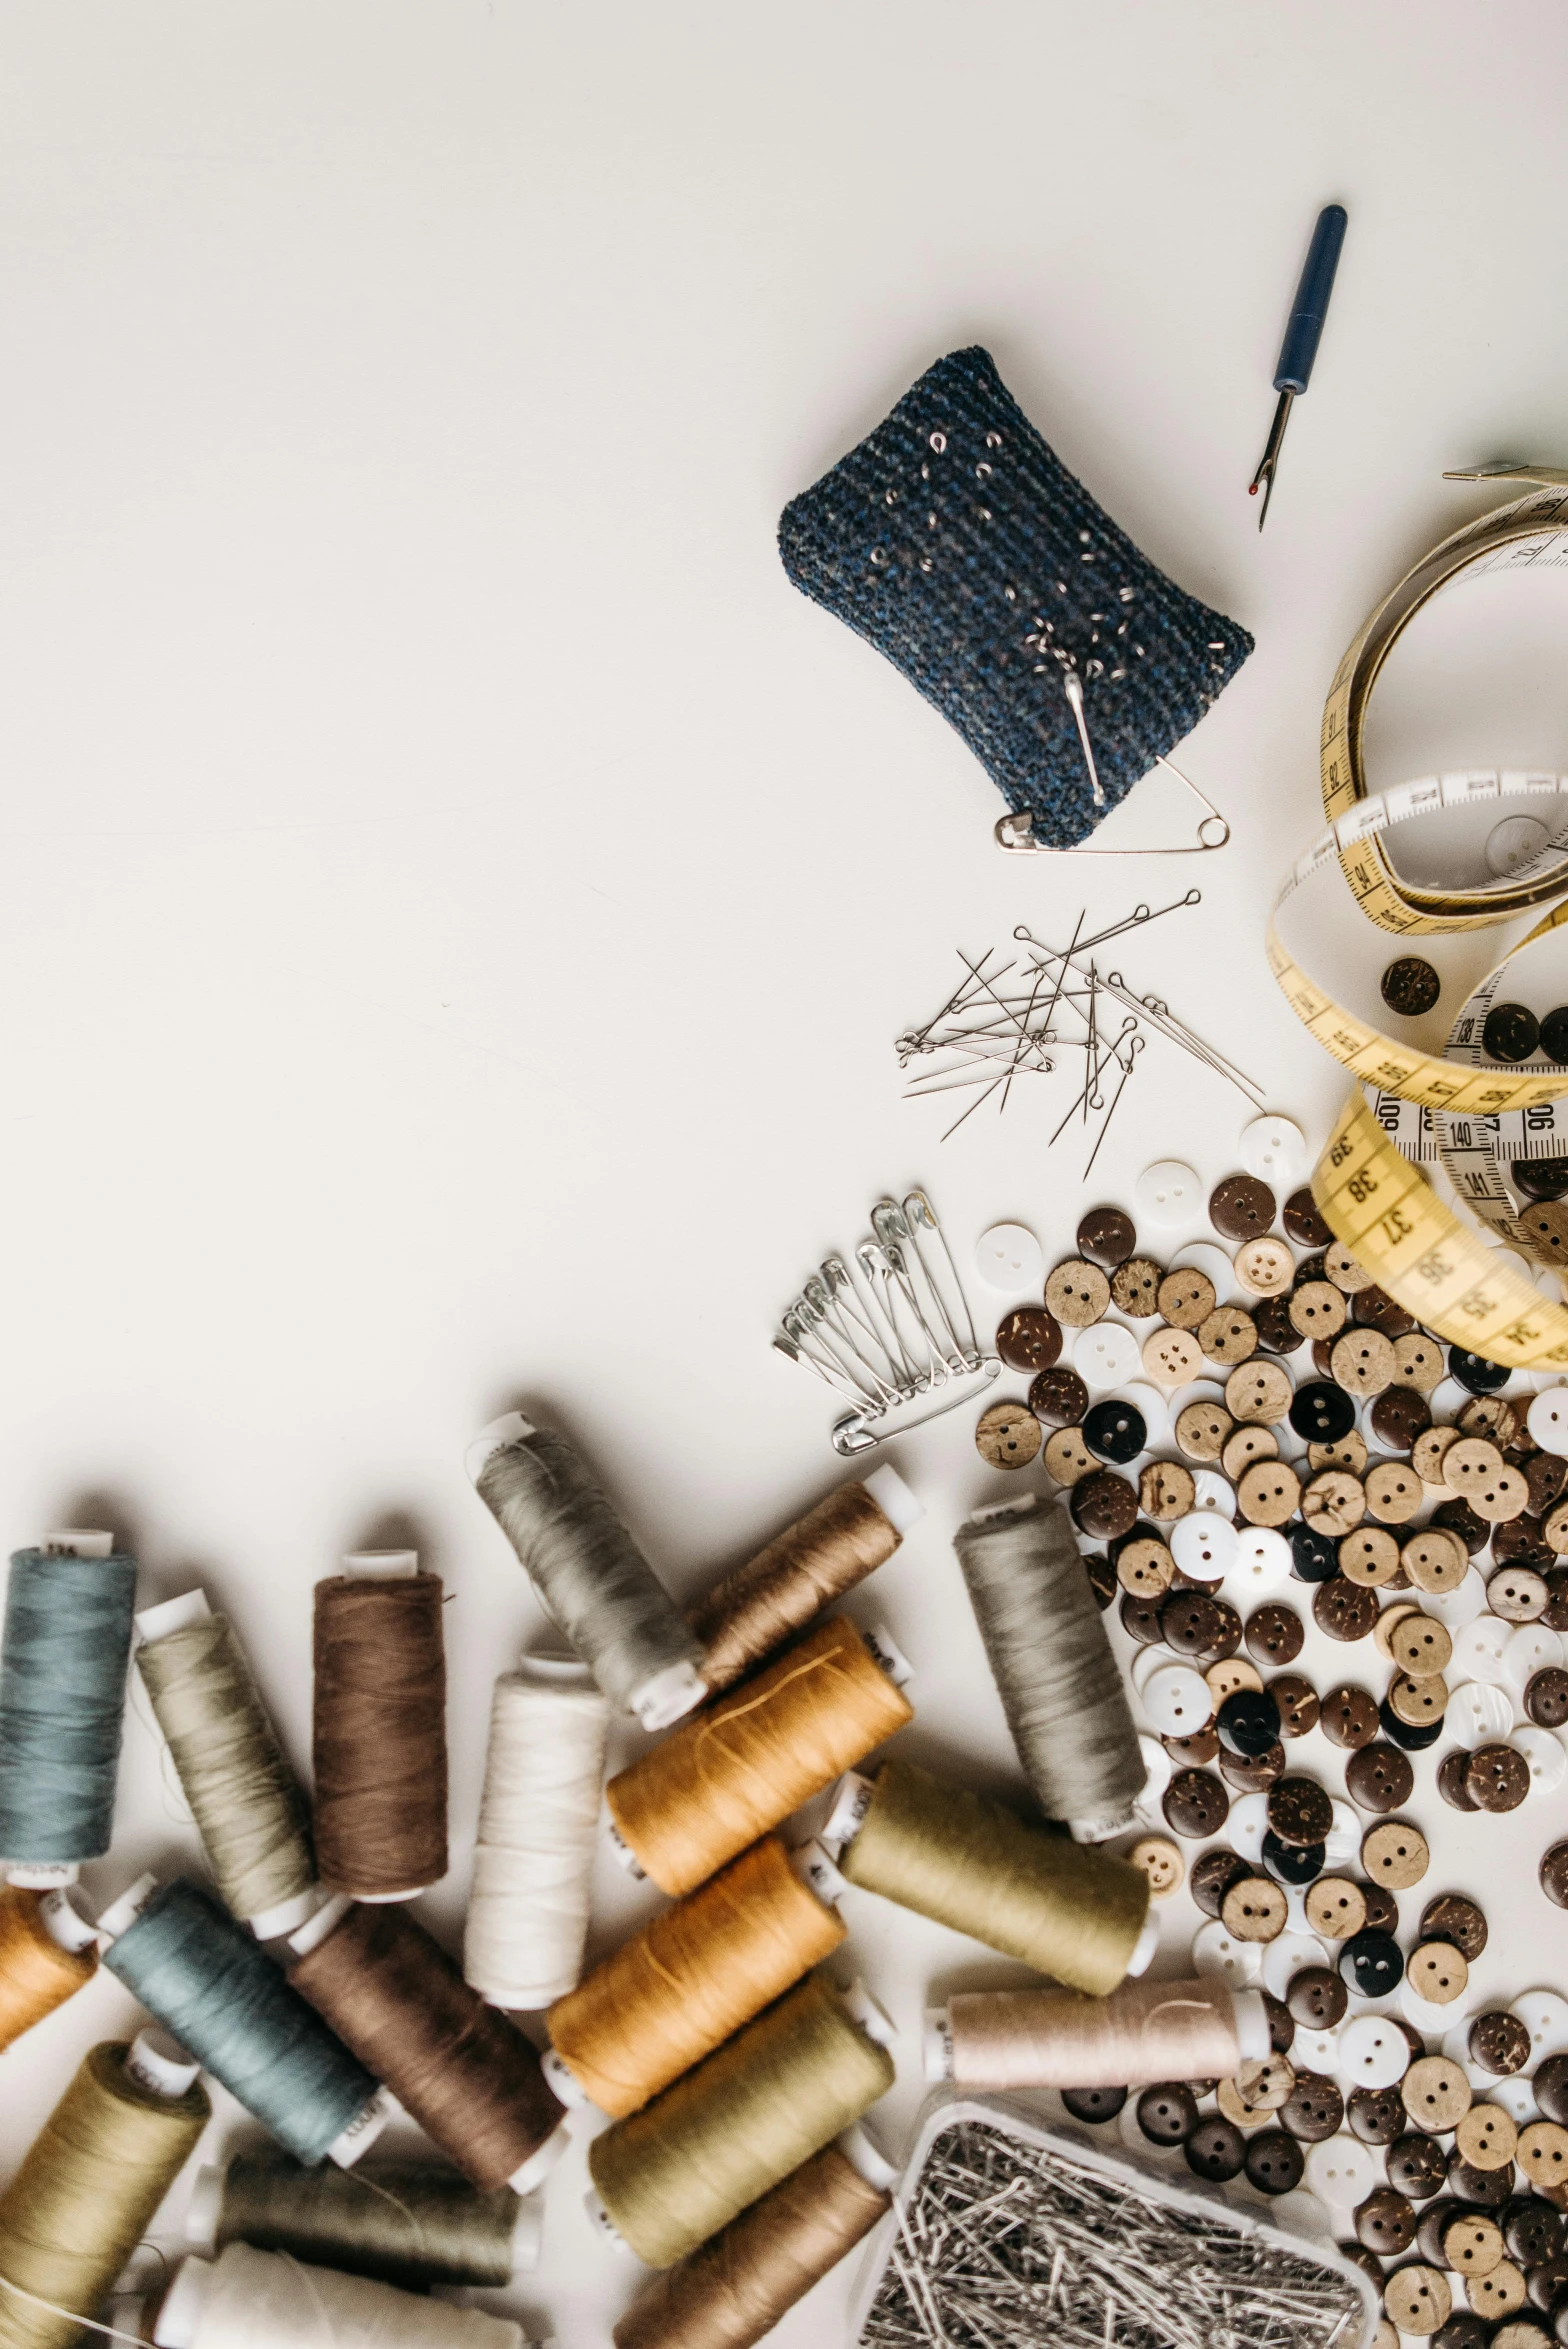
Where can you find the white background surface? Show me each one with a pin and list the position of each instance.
(457, 899)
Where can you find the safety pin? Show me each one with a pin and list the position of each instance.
(826, 1310)
(922, 1216)
(1013, 831)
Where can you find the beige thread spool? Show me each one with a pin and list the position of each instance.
(1145, 2031)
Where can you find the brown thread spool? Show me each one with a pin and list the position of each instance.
(38, 1972)
(810, 1566)
(734, 2290)
(379, 1728)
(738, 1768)
(1144, 2031)
(692, 1976)
(458, 2066)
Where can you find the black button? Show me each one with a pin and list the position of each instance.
(1248, 1722)
(1275, 2162)
(1314, 1556)
(1115, 1431)
(1293, 1863)
(1475, 1372)
(1511, 1032)
(1371, 1961)
(1540, 1178)
(1094, 2104)
(1405, 1733)
(1321, 1412)
(1410, 986)
(1554, 1034)
(1216, 2150)
(1167, 2113)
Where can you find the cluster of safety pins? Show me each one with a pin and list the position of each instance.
(1016, 1018)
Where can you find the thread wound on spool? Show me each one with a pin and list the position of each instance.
(407, 2223)
(222, 1997)
(716, 2139)
(1053, 1666)
(379, 1735)
(588, 1574)
(1143, 2032)
(457, 2066)
(1065, 1908)
(36, 1973)
(259, 2299)
(62, 1699)
(732, 2291)
(528, 1907)
(786, 1586)
(746, 1761)
(691, 1977)
(248, 1809)
(86, 2193)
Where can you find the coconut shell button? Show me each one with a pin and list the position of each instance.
(1135, 1285)
(1258, 1393)
(1386, 2222)
(1275, 2161)
(1172, 1358)
(1489, 1415)
(1498, 2293)
(1499, 2043)
(1030, 1339)
(1379, 1777)
(1007, 1435)
(1469, 2244)
(1546, 1474)
(1103, 1504)
(1533, 2230)
(1194, 1752)
(1362, 1361)
(1345, 1610)
(1314, 2110)
(1213, 1874)
(1094, 2104)
(1196, 1804)
(1451, 1916)
(1274, 1634)
(1343, 1270)
(1202, 1430)
(1115, 1431)
(1350, 1453)
(1436, 1972)
(1417, 2299)
(1349, 1716)
(1486, 2137)
(1077, 1293)
(1321, 1412)
(1410, 1737)
(1435, 1559)
(1554, 1528)
(1430, 1449)
(1314, 1557)
(1456, 1516)
(1146, 1567)
(1521, 1541)
(1297, 1701)
(1418, 1361)
(1186, 1297)
(1059, 1398)
(1255, 1909)
(1300, 1811)
(1271, 1319)
(1268, 1492)
(1497, 1778)
(1101, 1577)
(1156, 1857)
(1417, 2166)
(1252, 1773)
(1216, 2150)
(1166, 1491)
(1375, 1309)
(1265, 1268)
(1556, 1615)
(1229, 1335)
(1167, 2113)
(1417, 1704)
(1106, 1237)
(1388, 1623)
(1249, 1443)
(1543, 2155)
(1502, 1497)
(1546, 1697)
(1335, 1908)
(1517, 1593)
(1394, 1492)
(1317, 1998)
(1420, 1645)
(1436, 2094)
(1192, 1623)
(1399, 1415)
(1318, 1310)
(1303, 1222)
(1241, 1207)
(1395, 1855)
(1066, 1458)
(1369, 1556)
(1334, 1503)
(1410, 986)
(1551, 2094)
(1140, 1618)
(1485, 2189)
(1374, 2115)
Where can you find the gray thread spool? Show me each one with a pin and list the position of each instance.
(1053, 1666)
(588, 1574)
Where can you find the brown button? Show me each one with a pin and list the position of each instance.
(1248, 1444)
(1556, 1616)
(1543, 2154)
(1196, 1803)
(1059, 1398)
(1345, 1610)
(1503, 1496)
(1498, 2293)
(1030, 1339)
(1255, 1909)
(1202, 1429)
(1430, 1449)
(1300, 1812)
(1067, 1458)
(1497, 1777)
(1395, 1854)
(1554, 1528)
(1348, 1451)
(1077, 1293)
(1517, 1594)
(1420, 1704)
(1362, 1360)
(1335, 1907)
(1190, 1622)
(1342, 1269)
(1472, 2245)
(1171, 1357)
(1437, 1972)
(1253, 1773)
(1140, 1618)
(1145, 1566)
(1194, 1751)
(1417, 2298)
(1166, 1491)
(1420, 1645)
(1186, 1297)
(1435, 2093)
(1418, 1362)
(1271, 1319)
(1435, 1560)
(1546, 1474)
(1470, 1464)
(1499, 2043)
(1521, 1540)
(1318, 1309)
(1258, 1392)
(1303, 1222)
(1395, 1613)
(1417, 2165)
(1008, 1435)
(1265, 1268)
(1213, 1874)
(1297, 1700)
(1394, 1491)
(1369, 1556)
(1379, 1777)
(1378, 1310)
(1317, 1998)
(1274, 1634)
(1101, 1577)
(1453, 1917)
(1229, 1335)
(1400, 1414)
(1135, 1285)
(1375, 2115)
(1156, 1857)
(1267, 1493)
(1486, 2137)
(1455, 1515)
(1241, 1208)
(1385, 2222)
(1334, 1502)
(1229, 1676)
(1314, 2109)
(1546, 1697)
(1106, 1236)
(1489, 1415)
(1349, 1713)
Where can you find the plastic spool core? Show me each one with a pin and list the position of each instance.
(123, 1913)
(204, 2210)
(271, 1924)
(866, 2157)
(160, 2063)
(363, 2130)
(668, 1696)
(381, 1565)
(155, 1623)
(936, 2044)
(563, 2081)
(315, 1929)
(869, 2013)
(1252, 2026)
(78, 1541)
(851, 1801)
(898, 1504)
(183, 2305)
(65, 1923)
(42, 1875)
(527, 2234)
(813, 1864)
(539, 2164)
(1145, 1946)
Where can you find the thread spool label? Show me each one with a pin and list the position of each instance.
(812, 1864)
(850, 1805)
(624, 1853)
(888, 1654)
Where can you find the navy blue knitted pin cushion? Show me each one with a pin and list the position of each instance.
(955, 541)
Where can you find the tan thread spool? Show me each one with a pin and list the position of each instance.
(1065, 1908)
(692, 1976)
(787, 1585)
(1144, 2031)
(36, 1973)
(718, 2138)
(733, 2290)
(738, 1768)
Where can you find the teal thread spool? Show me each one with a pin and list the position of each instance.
(62, 1700)
(224, 1999)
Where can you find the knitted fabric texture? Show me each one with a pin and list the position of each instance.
(955, 541)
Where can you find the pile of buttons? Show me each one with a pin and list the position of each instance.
(1240, 1436)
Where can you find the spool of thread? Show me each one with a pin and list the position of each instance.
(62, 1701)
(733, 2290)
(1052, 1663)
(459, 2067)
(379, 1728)
(248, 2299)
(1143, 2032)
(248, 1809)
(538, 1823)
(1067, 1909)
(47, 1954)
(749, 1759)
(588, 1574)
(405, 2222)
(671, 2175)
(810, 1566)
(88, 2186)
(691, 1977)
(221, 1996)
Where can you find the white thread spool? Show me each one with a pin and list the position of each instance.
(538, 1821)
(248, 2299)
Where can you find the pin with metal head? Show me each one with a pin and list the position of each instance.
(1300, 346)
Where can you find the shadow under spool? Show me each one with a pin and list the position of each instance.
(723, 2134)
(459, 2067)
(62, 1703)
(379, 1734)
(36, 1973)
(86, 2193)
(404, 2222)
(691, 1977)
(732, 2291)
(1144, 2031)
(740, 1766)
(1067, 1909)
(786, 1586)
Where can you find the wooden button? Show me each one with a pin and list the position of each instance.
(1195, 1803)
(1201, 1430)
(1252, 1773)
(1241, 1207)
(1269, 1493)
(1077, 1293)
(1546, 1697)
(1435, 1559)
(1417, 2299)
(1265, 1267)
(1385, 2222)
(1271, 1318)
(1388, 1622)
(1229, 1676)
(1486, 2136)
(1491, 1416)
(1345, 1610)
(1058, 1397)
(1398, 1415)
(1502, 1497)
(1135, 1285)
(1347, 1451)
(1255, 1909)
(1335, 1907)
(1379, 1310)
(1229, 1335)
(1066, 1458)
(1554, 1531)
(1186, 1297)
(1030, 1339)
(1274, 1634)
(1146, 1567)
(1334, 1502)
(1517, 1593)
(1472, 2246)
(1369, 1556)
(1497, 1777)
(1171, 1357)
(1317, 1998)
(1318, 1309)
(1498, 2293)
(1299, 1710)
(1361, 1361)
(1395, 1855)
(1103, 1504)
(1453, 1917)
(1008, 1435)
(1258, 1392)
(1160, 1860)
(1249, 1443)
(1394, 1492)
(1418, 1362)
(1420, 1645)
(1213, 1874)
(1340, 1267)
(1438, 1973)
(1546, 1473)
(1420, 1704)
(1430, 1450)
(1106, 1236)
(1500, 2043)
(1469, 1463)
(1435, 2093)
(1166, 1491)
(1543, 2154)
(1300, 1812)
(1303, 1222)
(1349, 1717)
(1379, 1777)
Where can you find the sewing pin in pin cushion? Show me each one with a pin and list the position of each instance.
(955, 541)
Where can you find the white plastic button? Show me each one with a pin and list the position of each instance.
(1343, 1840)
(1428, 2018)
(1177, 1701)
(1517, 2098)
(1105, 1354)
(1478, 1714)
(1340, 2170)
(1248, 1824)
(1514, 843)
(1152, 1408)
(1547, 1420)
(1203, 1545)
(1315, 2051)
(1263, 1563)
(1146, 1662)
(1530, 1649)
(1207, 1257)
(1545, 2016)
(1008, 1257)
(1218, 1957)
(1168, 1194)
(1275, 1150)
(1545, 1755)
(1479, 1649)
(1212, 1493)
(1283, 1958)
(1373, 2053)
(1459, 1606)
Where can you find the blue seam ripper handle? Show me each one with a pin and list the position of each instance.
(1310, 307)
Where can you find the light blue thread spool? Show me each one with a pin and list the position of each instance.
(62, 1700)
